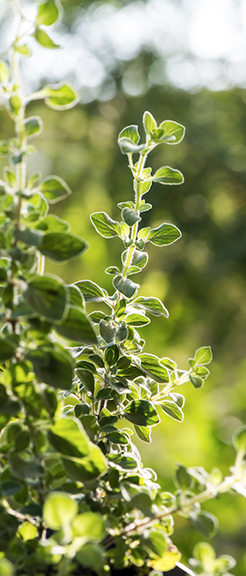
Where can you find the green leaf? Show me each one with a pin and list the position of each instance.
(23, 49)
(4, 72)
(143, 432)
(52, 223)
(88, 468)
(137, 320)
(87, 379)
(183, 479)
(151, 365)
(75, 296)
(152, 305)
(111, 355)
(47, 296)
(204, 523)
(130, 216)
(172, 132)
(171, 409)
(117, 437)
(90, 526)
(167, 175)
(59, 510)
(33, 126)
(127, 147)
(130, 132)
(203, 355)
(112, 270)
(123, 462)
(54, 189)
(61, 96)
(7, 350)
(91, 556)
(239, 439)
(141, 413)
(4, 149)
(196, 381)
(15, 104)
(8, 405)
(53, 367)
(21, 468)
(91, 291)
(149, 122)
(6, 567)
(68, 438)
(107, 331)
(165, 234)
(60, 246)
(77, 327)
(104, 225)
(125, 286)
(48, 13)
(44, 40)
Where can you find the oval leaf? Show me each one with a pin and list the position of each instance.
(47, 296)
(77, 327)
(164, 235)
(54, 189)
(167, 175)
(61, 96)
(141, 413)
(59, 246)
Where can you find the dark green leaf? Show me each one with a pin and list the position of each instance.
(59, 246)
(106, 330)
(52, 223)
(167, 175)
(53, 367)
(130, 216)
(136, 320)
(68, 438)
(125, 286)
(124, 462)
(47, 296)
(77, 327)
(54, 189)
(104, 225)
(141, 413)
(173, 410)
(165, 234)
(196, 381)
(91, 291)
(117, 438)
(87, 379)
(204, 523)
(143, 432)
(151, 365)
(152, 305)
(7, 350)
(183, 479)
(24, 468)
(111, 355)
(88, 468)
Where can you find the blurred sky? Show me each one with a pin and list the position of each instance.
(196, 43)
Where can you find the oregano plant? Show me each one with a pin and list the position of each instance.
(75, 387)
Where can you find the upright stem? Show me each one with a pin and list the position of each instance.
(137, 177)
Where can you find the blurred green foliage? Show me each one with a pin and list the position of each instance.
(201, 278)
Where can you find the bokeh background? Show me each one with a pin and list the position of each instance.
(183, 60)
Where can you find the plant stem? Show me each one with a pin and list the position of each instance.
(207, 494)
